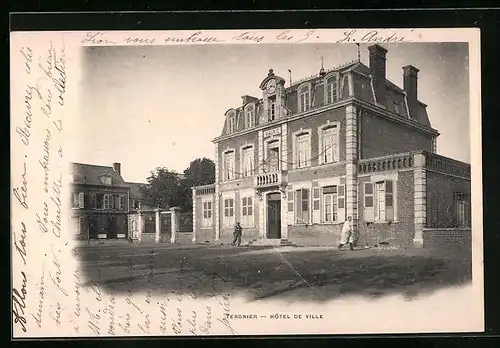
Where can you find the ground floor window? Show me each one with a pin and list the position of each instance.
(378, 201)
(302, 206)
(207, 213)
(228, 212)
(78, 225)
(333, 203)
(247, 211)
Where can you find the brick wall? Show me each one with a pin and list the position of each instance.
(315, 173)
(316, 234)
(236, 143)
(380, 137)
(398, 233)
(184, 238)
(313, 122)
(452, 238)
(440, 198)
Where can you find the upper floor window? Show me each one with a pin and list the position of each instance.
(78, 200)
(331, 90)
(328, 144)
(302, 155)
(304, 98)
(272, 109)
(249, 116)
(273, 156)
(229, 172)
(121, 202)
(106, 201)
(247, 161)
(93, 201)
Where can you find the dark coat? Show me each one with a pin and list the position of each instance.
(238, 230)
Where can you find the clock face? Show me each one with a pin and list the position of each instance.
(271, 86)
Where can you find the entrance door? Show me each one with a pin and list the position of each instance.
(112, 227)
(93, 227)
(274, 216)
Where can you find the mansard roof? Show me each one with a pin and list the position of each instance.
(363, 89)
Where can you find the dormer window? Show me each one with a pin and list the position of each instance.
(106, 179)
(331, 89)
(304, 95)
(231, 122)
(249, 116)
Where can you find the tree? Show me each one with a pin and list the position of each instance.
(163, 189)
(166, 189)
(201, 171)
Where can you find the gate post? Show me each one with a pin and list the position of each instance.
(139, 227)
(157, 225)
(175, 221)
(193, 240)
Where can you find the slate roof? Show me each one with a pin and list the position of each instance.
(135, 190)
(90, 174)
(362, 89)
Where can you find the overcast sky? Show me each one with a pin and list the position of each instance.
(160, 106)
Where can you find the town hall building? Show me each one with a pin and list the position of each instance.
(295, 162)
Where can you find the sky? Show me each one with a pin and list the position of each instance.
(161, 106)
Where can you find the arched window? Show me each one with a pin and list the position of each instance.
(249, 116)
(331, 89)
(304, 95)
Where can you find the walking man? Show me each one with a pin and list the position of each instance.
(237, 234)
(347, 236)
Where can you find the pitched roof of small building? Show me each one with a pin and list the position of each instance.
(135, 190)
(91, 174)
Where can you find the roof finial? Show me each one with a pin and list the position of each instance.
(322, 70)
(359, 53)
(271, 73)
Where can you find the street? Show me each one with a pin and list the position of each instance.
(291, 273)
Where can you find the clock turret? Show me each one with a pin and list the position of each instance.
(273, 97)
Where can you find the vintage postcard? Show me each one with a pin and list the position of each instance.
(243, 182)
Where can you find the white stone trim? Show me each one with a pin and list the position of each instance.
(242, 162)
(224, 196)
(284, 147)
(335, 74)
(294, 147)
(299, 88)
(321, 130)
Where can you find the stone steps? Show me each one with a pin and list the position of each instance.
(274, 242)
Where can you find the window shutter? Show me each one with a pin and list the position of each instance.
(389, 200)
(368, 199)
(368, 202)
(316, 214)
(290, 200)
(341, 203)
(81, 200)
(316, 198)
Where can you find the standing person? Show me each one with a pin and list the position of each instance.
(347, 236)
(237, 234)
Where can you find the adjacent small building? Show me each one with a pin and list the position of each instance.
(295, 162)
(100, 201)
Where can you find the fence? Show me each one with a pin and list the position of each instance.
(185, 223)
(448, 210)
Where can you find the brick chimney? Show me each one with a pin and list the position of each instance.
(117, 167)
(378, 70)
(410, 85)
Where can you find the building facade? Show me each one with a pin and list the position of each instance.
(100, 202)
(294, 163)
